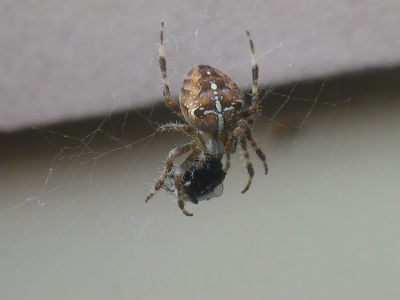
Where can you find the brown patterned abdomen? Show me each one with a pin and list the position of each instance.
(209, 99)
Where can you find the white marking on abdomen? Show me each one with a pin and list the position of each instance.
(220, 123)
(210, 112)
(220, 117)
(218, 106)
(229, 108)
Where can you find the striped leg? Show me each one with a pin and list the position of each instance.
(254, 108)
(180, 172)
(195, 159)
(239, 132)
(172, 155)
(163, 66)
(179, 191)
(255, 96)
(258, 151)
(186, 129)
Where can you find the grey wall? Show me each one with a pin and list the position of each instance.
(66, 60)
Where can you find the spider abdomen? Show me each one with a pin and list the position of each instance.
(209, 99)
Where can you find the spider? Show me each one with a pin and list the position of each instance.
(216, 120)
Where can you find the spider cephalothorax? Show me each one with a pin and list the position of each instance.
(216, 117)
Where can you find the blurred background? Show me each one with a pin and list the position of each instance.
(80, 96)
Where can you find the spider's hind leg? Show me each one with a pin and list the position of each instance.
(163, 66)
(256, 149)
(243, 133)
(239, 132)
(254, 108)
(254, 71)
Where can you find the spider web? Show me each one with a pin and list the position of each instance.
(97, 173)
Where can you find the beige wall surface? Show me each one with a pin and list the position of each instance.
(323, 224)
(63, 60)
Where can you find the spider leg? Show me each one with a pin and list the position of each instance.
(172, 155)
(254, 108)
(178, 180)
(179, 191)
(253, 144)
(163, 66)
(186, 129)
(255, 97)
(227, 161)
(239, 132)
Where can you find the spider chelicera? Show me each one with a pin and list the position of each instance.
(216, 120)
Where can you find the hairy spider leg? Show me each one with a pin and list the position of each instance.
(254, 108)
(256, 149)
(240, 134)
(163, 66)
(183, 168)
(186, 129)
(254, 70)
(172, 155)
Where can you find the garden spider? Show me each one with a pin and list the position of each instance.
(216, 119)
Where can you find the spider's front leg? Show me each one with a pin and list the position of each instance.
(173, 154)
(186, 129)
(180, 172)
(179, 191)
